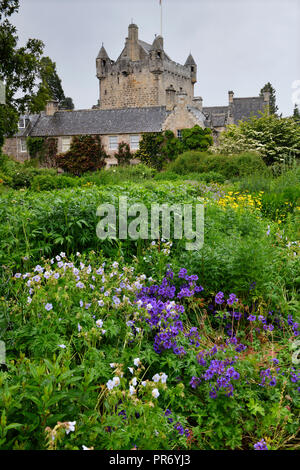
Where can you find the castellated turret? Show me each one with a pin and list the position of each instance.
(143, 75)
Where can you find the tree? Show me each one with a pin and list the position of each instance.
(86, 154)
(276, 139)
(51, 81)
(19, 68)
(123, 155)
(157, 148)
(269, 88)
(296, 114)
(197, 138)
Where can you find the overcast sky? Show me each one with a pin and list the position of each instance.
(238, 45)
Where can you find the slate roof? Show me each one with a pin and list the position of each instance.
(98, 121)
(145, 46)
(30, 121)
(243, 108)
(197, 113)
(216, 116)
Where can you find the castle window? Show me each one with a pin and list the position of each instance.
(179, 134)
(135, 142)
(23, 147)
(113, 142)
(65, 144)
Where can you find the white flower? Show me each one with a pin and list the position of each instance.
(134, 381)
(110, 385)
(103, 332)
(100, 303)
(156, 378)
(99, 323)
(79, 327)
(63, 346)
(71, 426)
(137, 361)
(131, 390)
(144, 383)
(131, 369)
(112, 365)
(116, 381)
(149, 306)
(29, 300)
(155, 393)
(85, 448)
(163, 378)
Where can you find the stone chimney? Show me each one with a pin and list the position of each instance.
(267, 96)
(51, 107)
(170, 98)
(198, 102)
(230, 97)
(182, 98)
(133, 48)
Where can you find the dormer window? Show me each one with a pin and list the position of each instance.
(192, 69)
(22, 123)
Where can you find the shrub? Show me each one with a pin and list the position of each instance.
(5, 179)
(227, 165)
(48, 182)
(86, 154)
(276, 139)
(197, 138)
(123, 155)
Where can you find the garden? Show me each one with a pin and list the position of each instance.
(139, 344)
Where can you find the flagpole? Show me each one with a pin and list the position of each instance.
(161, 17)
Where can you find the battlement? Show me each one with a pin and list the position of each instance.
(142, 74)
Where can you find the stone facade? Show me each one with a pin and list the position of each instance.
(15, 147)
(142, 75)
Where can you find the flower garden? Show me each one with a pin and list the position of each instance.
(140, 344)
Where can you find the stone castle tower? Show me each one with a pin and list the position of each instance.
(143, 76)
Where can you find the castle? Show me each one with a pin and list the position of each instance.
(142, 91)
(143, 75)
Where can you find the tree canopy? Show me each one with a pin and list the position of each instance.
(273, 137)
(51, 81)
(19, 69)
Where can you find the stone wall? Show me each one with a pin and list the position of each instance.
(180, 118)
(12, 147)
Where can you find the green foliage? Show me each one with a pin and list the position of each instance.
(275, 139)
(197, 138)
(150, 152)
(296, 113)
(229, 166)
(48, 182)
(86, 154)
(123, 155)
(157, 149)
(35, 146)
(52, 83)
(19, 67)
